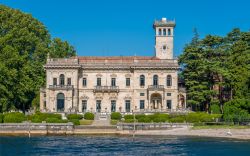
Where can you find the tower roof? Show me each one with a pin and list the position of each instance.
(164, 23)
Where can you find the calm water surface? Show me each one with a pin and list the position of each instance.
(114, 145)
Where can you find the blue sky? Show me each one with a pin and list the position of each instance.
(124, 27)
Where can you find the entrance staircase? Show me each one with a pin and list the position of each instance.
(101, 119)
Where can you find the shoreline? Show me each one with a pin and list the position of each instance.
(240, 134)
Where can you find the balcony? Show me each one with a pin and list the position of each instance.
(156, 87)
(106, 89)
(61, 87)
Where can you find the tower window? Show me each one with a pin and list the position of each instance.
(142, 80)
(61, 79)
(54, 81)
(169, 80)
(84, 82)
(169, 32)
(127, 82)
(164, 32)
(155, 80)
(159, 32)
(164, 47)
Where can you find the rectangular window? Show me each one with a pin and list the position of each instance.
(113, 83)
(142, 94)
(44, 104)
(142, 104)
(99, 81)
(84, 105)
(69, 81)
(113, 105)
(127, 82)
(98, 106)
(169, 104)
(127, 105)
(54, 81)
(84, 82)
(168, 94)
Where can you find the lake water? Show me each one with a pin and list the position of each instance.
(114, 145)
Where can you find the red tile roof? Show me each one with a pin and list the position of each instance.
(115, 59)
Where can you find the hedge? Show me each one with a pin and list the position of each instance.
(126, 117)
(75, 121)
(1, 118)
(74, 116)
(116, 116)
(55, 120)
(129, 120)
(15, 117)
(89, 116)
(38, 117)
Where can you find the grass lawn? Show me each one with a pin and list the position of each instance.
(221, 127)
(86, 122)
(113, 122)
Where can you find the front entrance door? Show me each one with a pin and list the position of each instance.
(156, 101)
(60, 102)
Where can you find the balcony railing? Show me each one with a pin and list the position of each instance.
(106, 89)
(61, 87)
(156, 87)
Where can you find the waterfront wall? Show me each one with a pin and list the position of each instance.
(151, 126)
(36, 128)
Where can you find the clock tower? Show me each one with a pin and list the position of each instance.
(164, 38)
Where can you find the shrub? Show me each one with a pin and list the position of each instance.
(74, 116)
(193, 117)
(55, 120)
(116, 116)
(89, 116)
(15, 117)
(146, 119)
(128, 117)
(1, 118)
(159, 119)
(215, 109)
(75, 121)
(236, 110)
(138, 116)
(113, 122)
(38, 117)
(177, 119)
(129, 120)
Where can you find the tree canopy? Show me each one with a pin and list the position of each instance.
(24, 45)
(216, 69)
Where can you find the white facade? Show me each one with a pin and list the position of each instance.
(121, 84)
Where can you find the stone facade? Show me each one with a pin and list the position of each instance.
(121, 84)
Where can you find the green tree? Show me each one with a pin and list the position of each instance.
(217, 68)
(24, 45)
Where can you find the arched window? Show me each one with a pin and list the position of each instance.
(142, 80)
(61, 79)
(159, 32)
(155, 80)
(169, 32)
(169, 80)
(164, 32)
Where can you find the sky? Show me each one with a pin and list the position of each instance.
(124, 27)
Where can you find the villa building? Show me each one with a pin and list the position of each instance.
(116, 84)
